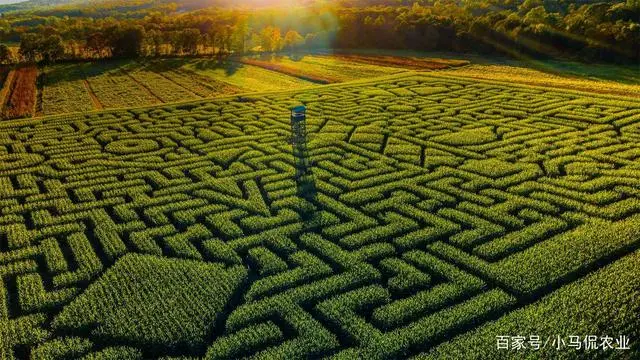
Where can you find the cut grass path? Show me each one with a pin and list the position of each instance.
(94, 99)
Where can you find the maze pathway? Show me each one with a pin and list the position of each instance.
(179, 230)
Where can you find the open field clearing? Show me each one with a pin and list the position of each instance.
(251, 78)
(64, 90)
(82, 87)
(617, 79)
(443, 212)
(529, 76)
(161, 87)
(199, 85)
(277, 66)
(115, 88)
(325, 69)
(407, 62)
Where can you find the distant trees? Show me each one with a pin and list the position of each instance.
(47, 49)
(537, 28)
(5, 54)
(126, 42)
(271, 39)
(187, 41)
(51, 48)
(293, 40)
(96, 45)
(29, 47)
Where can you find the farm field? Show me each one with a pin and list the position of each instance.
(444, 211)
(81, 87)
(528, 76)
(331, 68)
(251, 78)
(20, 93)
(197, 84)
(114, 87)
(65, 91)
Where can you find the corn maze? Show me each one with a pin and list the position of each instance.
(179, 231)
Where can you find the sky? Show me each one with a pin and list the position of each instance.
(2, 2)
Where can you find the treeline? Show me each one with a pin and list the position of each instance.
(586, 30)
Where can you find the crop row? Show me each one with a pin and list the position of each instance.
(575, 307)
(21, 99)
(163, 88)
(64, 91)
(115, 89)
(200, 85)
(316, 78)
(574, 251)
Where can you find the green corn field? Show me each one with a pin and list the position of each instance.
(446, 211)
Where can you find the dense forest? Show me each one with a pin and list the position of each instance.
(577, 29)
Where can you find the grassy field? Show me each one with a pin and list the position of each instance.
(571, 81)
(327, 68)
(627, 74)
(81, 87)
(65, 90)
(443, 211)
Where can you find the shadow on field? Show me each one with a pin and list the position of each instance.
(68, 72)
(278, 57)
(296, 57)
(164, 65)
(230, 67)
(306, 187)
(305, 180)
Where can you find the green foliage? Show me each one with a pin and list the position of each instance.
(267, 262)
(61, 348)
(153, 301)
(467, 137)
(406, 277)
(576, 308)
(114, 353)
(308, 267)
(429, 90)
(33, 296)
(248, 338)
(182, 231)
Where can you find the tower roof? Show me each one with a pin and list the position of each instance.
(298, 109)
